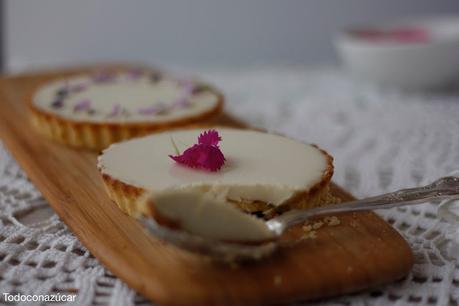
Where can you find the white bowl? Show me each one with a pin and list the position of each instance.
(411, 65)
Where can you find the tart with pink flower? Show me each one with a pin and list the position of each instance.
(255, 171)
(96, 109)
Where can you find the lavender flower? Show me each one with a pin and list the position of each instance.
(116, 111)
(187, 86)
(103, 77)
(182, 102)
(82, 105)
(153, 110)
(78, 88)
(147, 110)
(134, 73)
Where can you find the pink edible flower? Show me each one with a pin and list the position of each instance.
(205, 154)
(210, 138)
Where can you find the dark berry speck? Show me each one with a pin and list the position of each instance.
(155, 77)
(200, 89)
(61, 93)
(57, 104)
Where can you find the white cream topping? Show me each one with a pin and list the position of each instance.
(259, 166)
(206, 216)
(127, 99)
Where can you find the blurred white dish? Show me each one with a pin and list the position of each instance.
(417, 54)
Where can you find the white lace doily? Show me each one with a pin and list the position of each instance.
(382, 140)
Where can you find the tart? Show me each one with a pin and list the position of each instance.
(96, 109)
(262, 171)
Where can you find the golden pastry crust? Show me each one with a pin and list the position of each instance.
(99, 135)
(126, 196)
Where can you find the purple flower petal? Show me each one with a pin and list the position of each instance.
(116, 111)
(182, 102)
(147, 110)
(82, 105)
(103, 77)
(78, 88)
(187, 86)
(154, 109)
(134, 73)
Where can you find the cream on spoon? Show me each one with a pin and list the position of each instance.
(223, 232)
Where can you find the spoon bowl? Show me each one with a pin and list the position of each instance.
(217, 249)
(446, 188)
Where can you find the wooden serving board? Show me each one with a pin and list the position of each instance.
(363, 251)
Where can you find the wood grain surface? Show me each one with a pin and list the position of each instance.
(362, 251)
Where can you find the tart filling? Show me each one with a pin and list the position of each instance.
(259, 168)
(125, 96)
(94, 110)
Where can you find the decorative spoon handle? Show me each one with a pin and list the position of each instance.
(441, 189)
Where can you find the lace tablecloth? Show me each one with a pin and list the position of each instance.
(382, 140)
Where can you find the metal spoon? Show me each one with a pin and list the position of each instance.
(446, 188)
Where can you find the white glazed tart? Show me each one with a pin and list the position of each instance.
(96, 109)
(261, 171)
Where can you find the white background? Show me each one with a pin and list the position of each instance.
(191, 33)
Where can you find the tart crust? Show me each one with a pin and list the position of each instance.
(99, 135)
(126, 196)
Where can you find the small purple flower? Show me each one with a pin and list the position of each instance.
(78, 88)
(134, 73)
(82, 105)
(147, 110)
(103, 77)
(187, 86)
(182, 102)
(153, 110)
(116, 111)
